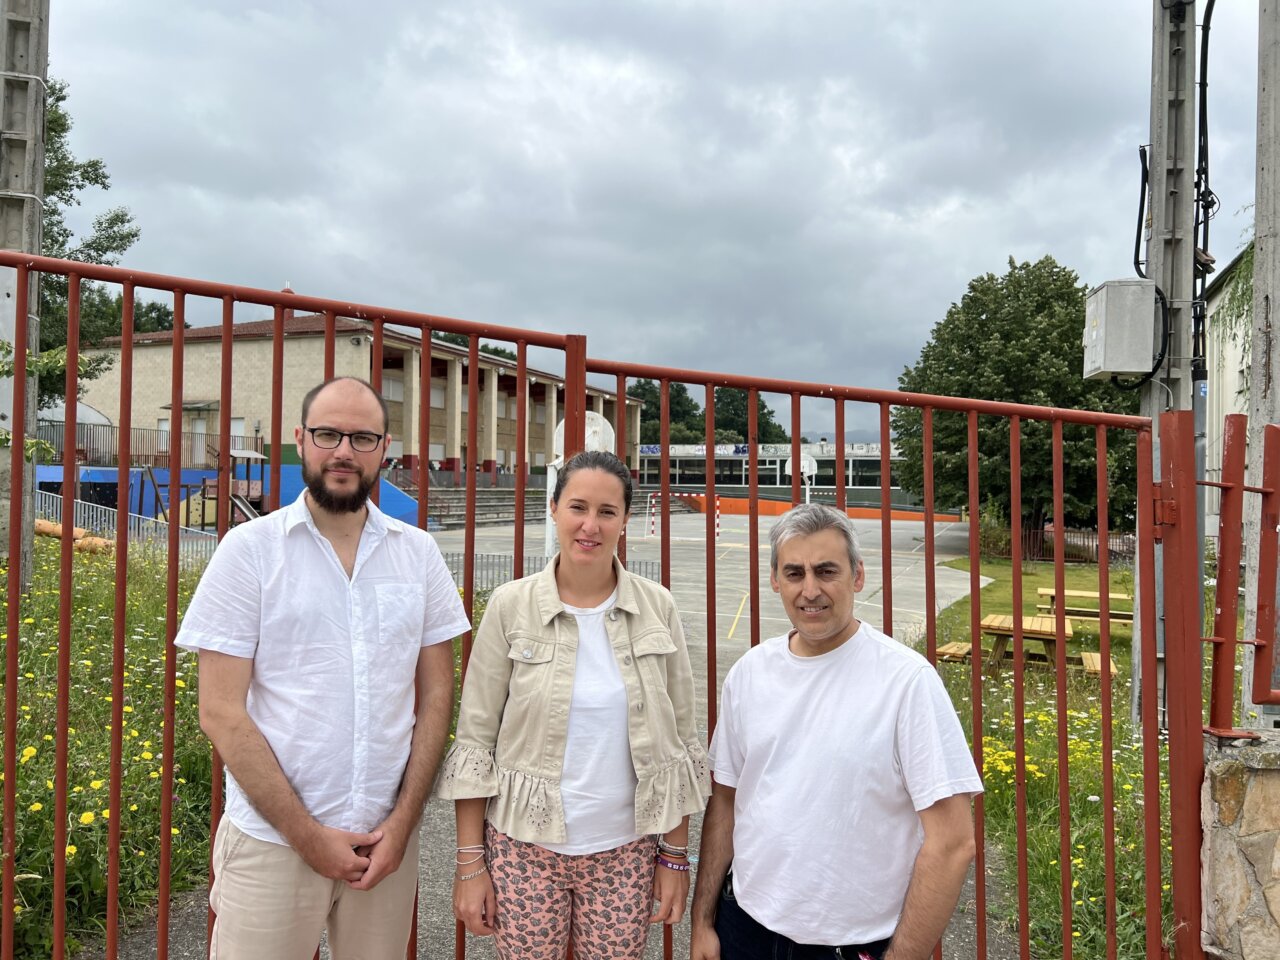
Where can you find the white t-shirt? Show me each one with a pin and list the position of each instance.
(832, 756)
(334, 658)
(598, 788)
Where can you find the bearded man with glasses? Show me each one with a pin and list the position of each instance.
(326, 685)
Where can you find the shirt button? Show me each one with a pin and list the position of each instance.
(640, 707)
(527, 654)
(627, 659)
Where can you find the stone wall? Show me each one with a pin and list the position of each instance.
(1240, 804)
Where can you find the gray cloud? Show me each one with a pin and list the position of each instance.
(784, 189)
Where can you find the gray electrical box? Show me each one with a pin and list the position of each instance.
(1119, 329)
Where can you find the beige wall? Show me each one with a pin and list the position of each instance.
(251, 389)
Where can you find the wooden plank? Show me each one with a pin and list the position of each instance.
(955, 651)
(1093, 664)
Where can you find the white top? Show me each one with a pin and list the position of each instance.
(333, 658)
(832, 756)
(598, 787)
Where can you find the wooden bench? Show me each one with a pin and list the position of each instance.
(1093, 664)
(955, 652)
(1090, 613)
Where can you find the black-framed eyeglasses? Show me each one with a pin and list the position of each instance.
(362, 441)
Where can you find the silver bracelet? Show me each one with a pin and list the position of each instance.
(472, 876)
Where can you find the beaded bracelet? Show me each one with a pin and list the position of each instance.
(671, 848)
(671, 864)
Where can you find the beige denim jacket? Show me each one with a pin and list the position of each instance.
(513, 723)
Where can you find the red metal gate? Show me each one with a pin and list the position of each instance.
(1099, 920)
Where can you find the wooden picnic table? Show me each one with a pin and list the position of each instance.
(1041, 629)
(1080, 611)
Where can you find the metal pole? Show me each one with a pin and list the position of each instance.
(1170, 248)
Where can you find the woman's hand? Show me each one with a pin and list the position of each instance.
(474, 903)
(670, 894)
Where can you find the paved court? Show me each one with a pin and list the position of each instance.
(733, 634)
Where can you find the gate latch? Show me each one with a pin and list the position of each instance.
(1164, 511)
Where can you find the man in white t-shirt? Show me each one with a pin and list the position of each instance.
(839, 822)
(326, 684)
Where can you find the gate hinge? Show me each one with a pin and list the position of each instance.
(1164, 512)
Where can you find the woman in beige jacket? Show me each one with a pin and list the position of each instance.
(577, 760)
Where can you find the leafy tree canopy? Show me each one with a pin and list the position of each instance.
(461, 340)
(111, 233)
(1016, 338)
(731, 416)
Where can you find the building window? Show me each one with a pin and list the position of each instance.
(237, 427)
(539, 413)
(392, 389)
(437, 396)
(162, 425)
(539, 459)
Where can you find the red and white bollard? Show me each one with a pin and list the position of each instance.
(651, 502)
(717, 518)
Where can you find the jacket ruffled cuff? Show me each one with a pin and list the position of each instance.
(467, 772)
(674, 792)
(527, 807)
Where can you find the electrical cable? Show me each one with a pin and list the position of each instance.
(1164, 348)
(1142, 210)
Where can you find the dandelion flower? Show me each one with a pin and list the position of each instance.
(96, 784)
(36, 807)
(88, 817)
(175, 831)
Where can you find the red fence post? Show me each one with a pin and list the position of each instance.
(1183, 675)
(575, 394)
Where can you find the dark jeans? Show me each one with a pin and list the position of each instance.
(742, 938)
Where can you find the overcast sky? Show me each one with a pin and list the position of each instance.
(794, 189)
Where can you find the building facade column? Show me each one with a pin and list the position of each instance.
(553, 418)
(453, 417)
(489, 424)
(413, 447)
(633, 437)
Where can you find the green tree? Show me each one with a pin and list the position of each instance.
(687, 425)
(462, 340)
(731, 415)
(111, 233)
(1016, 338)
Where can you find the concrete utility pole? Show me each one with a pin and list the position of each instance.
(1264, 389)
(24, 68)
(1170, 243)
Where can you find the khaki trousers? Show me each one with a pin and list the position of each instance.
(271, 905)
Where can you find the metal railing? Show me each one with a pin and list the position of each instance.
(494, 569)
(145, 533)
(99, 444)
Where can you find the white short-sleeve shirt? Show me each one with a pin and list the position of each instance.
(334, 658)
(832, 757)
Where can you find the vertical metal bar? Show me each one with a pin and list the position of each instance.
(839, 444)
(575, 394)
(886, 518)
(664, 438)
(796, 468)
(1268, 539)
(13, 618)
(424, 427)
(1149, 694)
(1183, 677)
(330, 338)
(620, 437)
(224, 523)
(1104, 653)
(710, 528)
(522, 471)
(171, 624)
(1060, 676)
(469, 517)
(1019, 688)
(1227, 606)
(930, 577)
(277, 404)
(375, 380)
(753, 509)
(119, 620)
(61, 745)
(975, 660)
(224, 455)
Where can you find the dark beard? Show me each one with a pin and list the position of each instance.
(337, 503)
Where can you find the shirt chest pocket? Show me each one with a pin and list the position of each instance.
(650, 650)
(532, 664)
(401, 609)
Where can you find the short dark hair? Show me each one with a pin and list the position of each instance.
(807, 519)
(315, 392)
(594, 460)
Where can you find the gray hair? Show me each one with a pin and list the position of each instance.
(807, 519)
